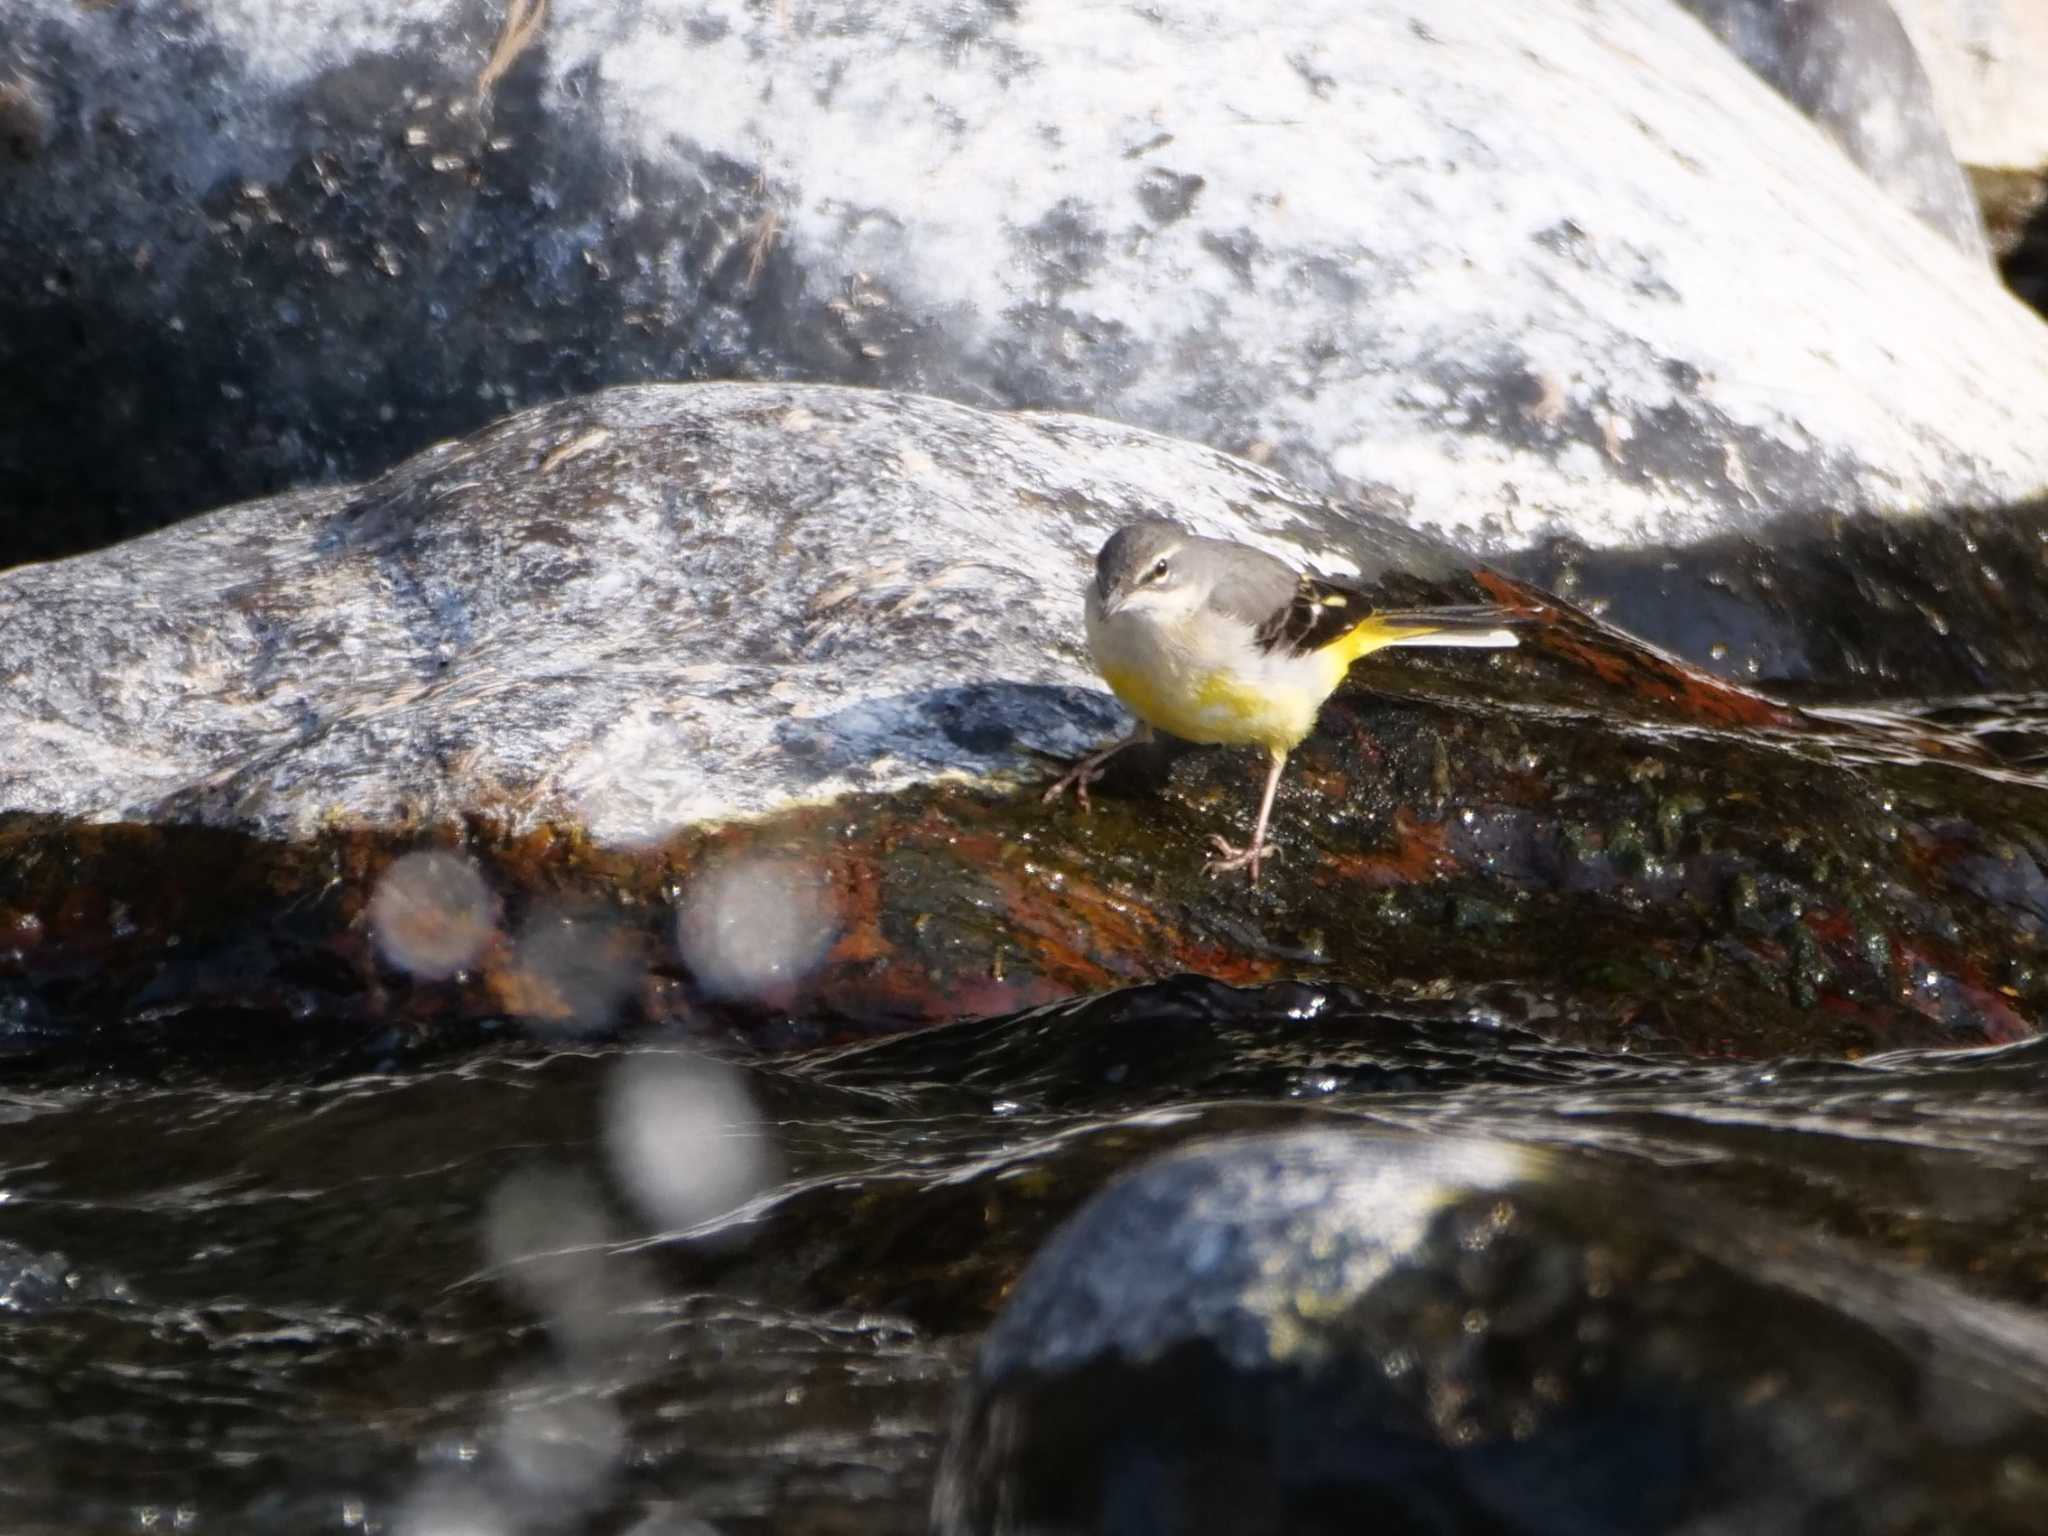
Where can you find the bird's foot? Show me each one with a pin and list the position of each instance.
(1229, 856)
(1090, 768)
(1077, 778)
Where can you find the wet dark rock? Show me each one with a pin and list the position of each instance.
(1474, 288)
(1851, 67)
(2016, 211)
(621, 651)
(1337, 1332)
(22, 124)
(306, 1266)
(1929, 1157)
(32, 1281)
(1192, 1038)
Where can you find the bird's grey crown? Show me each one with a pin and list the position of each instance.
(1245, 583)
(1132, 548)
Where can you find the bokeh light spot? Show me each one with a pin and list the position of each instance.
(432, 913)
(685, 1137)
(755, 926)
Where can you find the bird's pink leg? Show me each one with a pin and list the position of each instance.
(1229, 856)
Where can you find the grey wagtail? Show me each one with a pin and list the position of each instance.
(1220, 643)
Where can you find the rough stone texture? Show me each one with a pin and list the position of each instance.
(1329, 1332)
(1987, 60)
(1528, 269)
(1850, 66)
(633, 613)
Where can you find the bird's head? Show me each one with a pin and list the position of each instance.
(1143, 569)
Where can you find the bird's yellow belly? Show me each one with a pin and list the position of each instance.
(1215, 706)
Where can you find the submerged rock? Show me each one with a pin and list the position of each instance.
(1339, 1332)
(1523, 270)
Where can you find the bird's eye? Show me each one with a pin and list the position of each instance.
(1158, 571)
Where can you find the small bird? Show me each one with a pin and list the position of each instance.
(1216, 642)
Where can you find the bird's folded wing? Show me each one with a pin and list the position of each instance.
(1315, 613)
(1320, 613)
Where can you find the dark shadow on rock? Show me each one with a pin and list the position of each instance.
(995, 722)
(2025, 262)
(1837, 606)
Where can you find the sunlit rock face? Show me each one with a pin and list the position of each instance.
(1986, 61)
(1326, 1332)
(1851, 67)
(635, 613)
(1522, 269)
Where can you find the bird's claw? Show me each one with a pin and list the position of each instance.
(1078, 779)
(1229, 856)
(1093, 767)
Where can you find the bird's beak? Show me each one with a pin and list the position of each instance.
(1113, 604)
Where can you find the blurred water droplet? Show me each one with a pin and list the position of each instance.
(431, 913)
(662, 1523)
(561, 1449)
(451, 1509)
(568, 972)
(547, 1231)
(685, 1137)
(754, 926)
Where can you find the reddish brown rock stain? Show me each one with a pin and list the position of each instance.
(1626, 664)
(1421, 852)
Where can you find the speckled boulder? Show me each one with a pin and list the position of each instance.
(649, 609)
(1522, 269)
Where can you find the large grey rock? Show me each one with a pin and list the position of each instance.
(1852, 68)
(1326, 1332)
(655, 607)
(1527, 269)
(672, 604)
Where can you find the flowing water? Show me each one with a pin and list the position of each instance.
(624, 1287)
